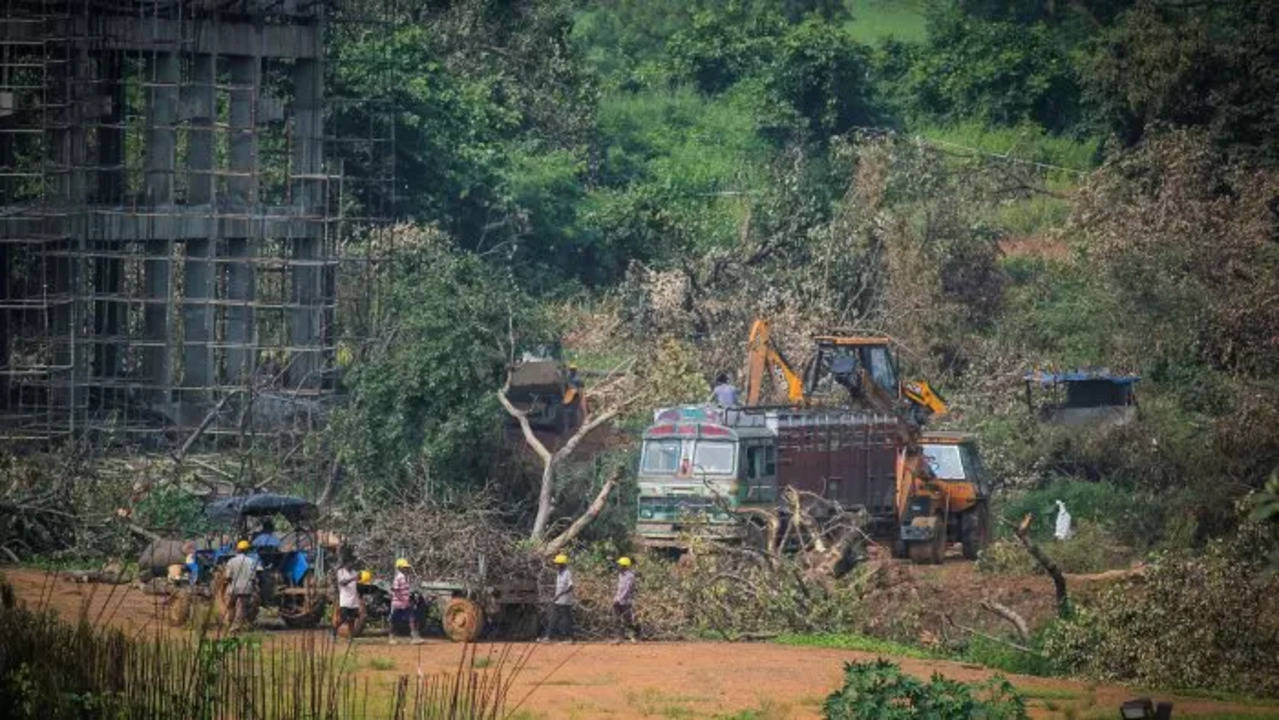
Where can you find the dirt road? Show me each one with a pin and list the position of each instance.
(648, 680)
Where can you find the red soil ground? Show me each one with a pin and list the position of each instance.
(659, 679)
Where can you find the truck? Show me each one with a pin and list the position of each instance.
(702, 466)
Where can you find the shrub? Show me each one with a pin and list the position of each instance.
(879, 689)
(1091, 549)
(1191, 621)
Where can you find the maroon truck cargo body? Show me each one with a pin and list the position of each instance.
(850, 458)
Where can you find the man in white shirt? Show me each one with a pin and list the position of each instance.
(242, 583)
(349, 605)
(562, 604)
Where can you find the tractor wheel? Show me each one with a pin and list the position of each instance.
(178, 608)
(221, 601)
(303, 606)
(975, 530)
(463, 620)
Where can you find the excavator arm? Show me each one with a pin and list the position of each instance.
(761, 356)
(922, 395)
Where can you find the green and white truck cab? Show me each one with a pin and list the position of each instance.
(697, 466)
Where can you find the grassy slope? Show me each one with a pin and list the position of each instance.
(876, 20)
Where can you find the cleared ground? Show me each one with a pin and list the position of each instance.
(648, 680)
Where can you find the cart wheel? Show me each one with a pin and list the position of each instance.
(462, 619)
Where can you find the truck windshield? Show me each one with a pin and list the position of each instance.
(660, 456)
(714, 457)
(945, 461)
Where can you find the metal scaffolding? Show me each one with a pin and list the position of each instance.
(172, 208)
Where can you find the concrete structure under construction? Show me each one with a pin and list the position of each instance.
(167, 215)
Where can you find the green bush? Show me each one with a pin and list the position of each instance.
(880, 690)
(1127, 516)
(1091, 549)
(1190, 621)
(1007, 658)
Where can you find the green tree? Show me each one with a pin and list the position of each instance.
(1210, 65)
(421, 405)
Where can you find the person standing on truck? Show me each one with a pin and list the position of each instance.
(724, 393)
(242, 582)
(561, 626)
(624, 602)
(402, 603)
(349, 605)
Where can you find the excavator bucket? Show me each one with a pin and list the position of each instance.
(544, 390)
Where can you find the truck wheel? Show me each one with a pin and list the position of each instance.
(975, 530)
(929, 552)
(462, 619)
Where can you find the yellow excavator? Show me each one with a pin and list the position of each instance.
(941, 488)
(861, 364)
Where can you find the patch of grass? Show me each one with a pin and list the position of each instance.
(1008, 659)
(382, 663)
(1023, 142)
(1048, 693)
(877, 20)
(860, 643)
(767, 710)
(653, 702)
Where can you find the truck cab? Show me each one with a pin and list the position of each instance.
(696, 469)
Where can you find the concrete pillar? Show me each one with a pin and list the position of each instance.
(242, 184)
(107, 315)
(157, 367)
(162, 114)
(110, 178)
(308, 200)
(239, 315)
(241, 193)
(197, 325)
(200, 108)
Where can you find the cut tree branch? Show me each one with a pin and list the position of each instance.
(1050, 567)
(1012, 616)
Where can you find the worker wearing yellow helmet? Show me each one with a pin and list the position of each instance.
(402, 602)
(561, 603)
(350, 605)
(624, 602)
(242, 584)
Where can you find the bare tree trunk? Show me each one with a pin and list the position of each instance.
(564, 538)
(1050, 567)
(551, 461)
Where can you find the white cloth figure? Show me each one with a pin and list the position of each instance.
(1063, 530)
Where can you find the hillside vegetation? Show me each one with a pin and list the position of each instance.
(1001, 185)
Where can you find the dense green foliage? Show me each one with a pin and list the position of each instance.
(1204, 621)
(421, 408)
(879, 689)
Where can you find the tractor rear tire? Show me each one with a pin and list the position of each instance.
(463, 620)
(303, 610)
(975, 530)
(178, 608)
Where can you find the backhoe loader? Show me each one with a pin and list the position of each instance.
(922, 490)
(860, 363)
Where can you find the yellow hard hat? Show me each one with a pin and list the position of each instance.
(242, 545)
(366, 577)
(402, 563)
(560, 559)
(624, 562)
